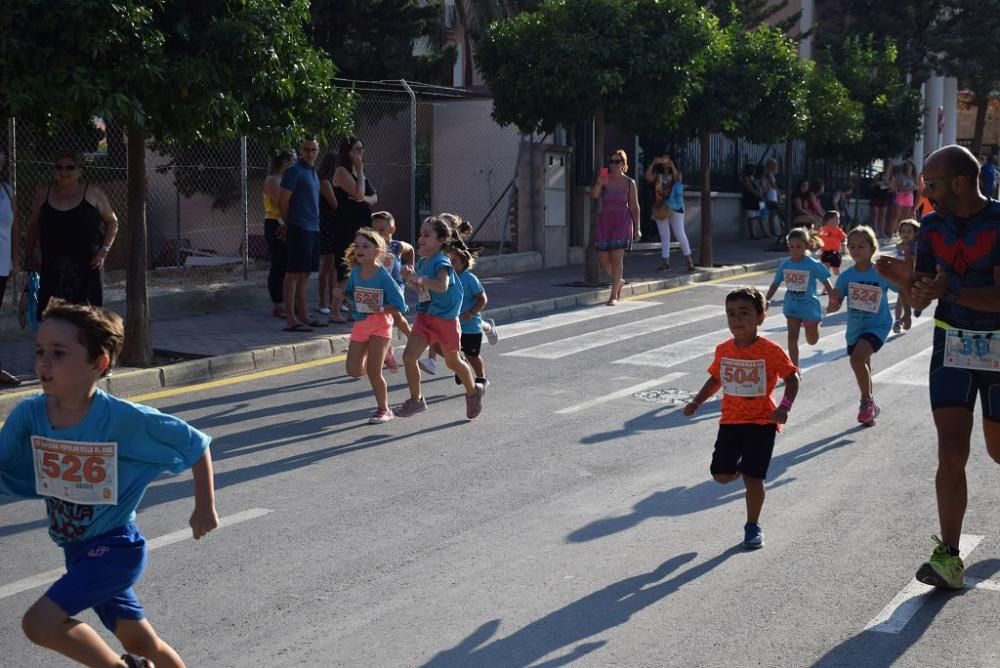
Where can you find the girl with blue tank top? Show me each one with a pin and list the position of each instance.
(438, 305)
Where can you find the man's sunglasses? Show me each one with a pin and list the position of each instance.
(65, 168)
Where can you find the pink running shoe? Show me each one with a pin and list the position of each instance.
(380, 417)
(868, 411)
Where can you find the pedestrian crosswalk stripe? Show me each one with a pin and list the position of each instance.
(620, 394)
(583, 342)
(523, 327)
(910, 371)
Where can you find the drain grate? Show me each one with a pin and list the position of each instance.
(671, 396)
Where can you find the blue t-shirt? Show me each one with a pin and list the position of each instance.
(373, 294)
(393, 263)
(447, 304)
(471, 287)
(968, 249)
(800, 279)
(148, 443)
(870, 291)
(676, 199)
(988, 178)
(303, 208)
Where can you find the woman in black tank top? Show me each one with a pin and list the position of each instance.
(355, 197)
(74, 227)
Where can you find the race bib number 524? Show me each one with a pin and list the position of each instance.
(78, 472)
(862, 297)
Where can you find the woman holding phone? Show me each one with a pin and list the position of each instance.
(618, 220)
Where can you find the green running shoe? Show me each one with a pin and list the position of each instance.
(943, 569)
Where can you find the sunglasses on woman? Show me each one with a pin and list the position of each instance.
(615, 161)
(65, 168)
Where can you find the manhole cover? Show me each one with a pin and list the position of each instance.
(671, 396)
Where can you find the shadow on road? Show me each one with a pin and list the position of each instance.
(875, 649)
(708, 494)
(602, 610)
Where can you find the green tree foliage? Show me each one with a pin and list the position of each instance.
(374, 39)
(752, 13)
(572, 60)
(754, 87)
(176, 70)
(970, 51)
(893, 109)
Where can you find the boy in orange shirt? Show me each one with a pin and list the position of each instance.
(746, 368)
(833, 239)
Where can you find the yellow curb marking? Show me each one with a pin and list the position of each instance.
(688, 286)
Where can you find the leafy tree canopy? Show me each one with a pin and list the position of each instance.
(571, 59)
(752, 13)
(374, 39)
(181, 70)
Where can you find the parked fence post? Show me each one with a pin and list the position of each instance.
(245, 207)
(413, 161)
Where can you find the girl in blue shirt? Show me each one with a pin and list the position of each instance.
(472, 322)
(868, 316)
(802, 309)
(91, 457)
(376, 300)
(439, 303)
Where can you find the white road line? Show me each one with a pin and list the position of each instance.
(620, 394)
(523, 327)
(603, 337)
(25, 584)
(682, 351)
(911, 371)
(895, 616)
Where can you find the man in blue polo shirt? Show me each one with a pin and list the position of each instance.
(299, 205)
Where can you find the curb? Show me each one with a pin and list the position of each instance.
(144, 381)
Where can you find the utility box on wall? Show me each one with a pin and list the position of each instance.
(556, 196)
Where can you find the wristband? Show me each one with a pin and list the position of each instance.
(420, 281)
(786, 404)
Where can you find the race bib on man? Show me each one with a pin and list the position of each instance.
(74, 471)
(967, 349)
(796, 280)
(861, 297)
(368, 300)
(743, 378)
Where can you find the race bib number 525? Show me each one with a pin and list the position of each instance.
(78, 472)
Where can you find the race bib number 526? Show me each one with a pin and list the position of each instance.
(78, 472)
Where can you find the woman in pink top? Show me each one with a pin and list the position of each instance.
(618, 220)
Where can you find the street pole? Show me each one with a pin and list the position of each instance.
(245, 206)
(413, 161)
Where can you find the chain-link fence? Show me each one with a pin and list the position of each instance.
(429, 149)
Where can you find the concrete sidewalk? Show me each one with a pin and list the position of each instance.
(241, 336)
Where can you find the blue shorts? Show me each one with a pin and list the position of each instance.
(874, 340)
(303, 250)
(100, 573)
(806, 308)
(951, 387)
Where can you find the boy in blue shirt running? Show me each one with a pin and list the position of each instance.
(91, 457)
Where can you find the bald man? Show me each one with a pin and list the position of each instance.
(958, 264)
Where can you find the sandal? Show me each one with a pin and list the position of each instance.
(136, 661)
(318, 323)
(9, 379)
(299, 327)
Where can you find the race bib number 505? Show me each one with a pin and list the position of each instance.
(78, 472)
(743, 378)
(796, 280)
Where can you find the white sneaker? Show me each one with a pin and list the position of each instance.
(493, 335)
(325, 310)
(428, 365)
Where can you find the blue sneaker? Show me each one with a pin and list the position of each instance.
(753, 536)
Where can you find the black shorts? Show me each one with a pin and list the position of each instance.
(303, 250)
(952, 387)
(831, 258)
(472, 344)
(872, 339)
(744, 448)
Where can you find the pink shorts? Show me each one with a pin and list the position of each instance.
(376, 324)
(445, 333)
(904, 199)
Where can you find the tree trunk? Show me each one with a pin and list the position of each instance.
(707, 257)
(982, 102)
(591, 272)
(138, 349)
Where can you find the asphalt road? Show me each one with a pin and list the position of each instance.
(574, 522)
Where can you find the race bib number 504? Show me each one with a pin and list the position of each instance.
(78, 472)
(743, 378)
